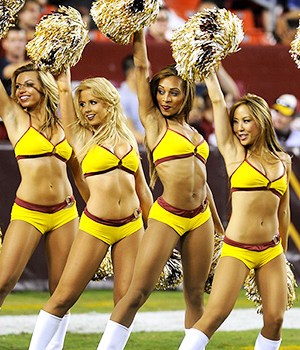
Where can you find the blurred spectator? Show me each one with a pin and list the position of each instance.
(129, 100)
(259, 18)
(29, 16)
(185, 8)
(283, 113)
(46, 7)
(14, 54)
(160, 31)
(287, 22)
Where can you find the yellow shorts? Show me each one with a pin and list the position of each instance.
(109, 232)
(179, 223)
(42, 221)
(252, 259)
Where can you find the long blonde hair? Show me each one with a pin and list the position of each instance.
(115, 126)
(49, 94)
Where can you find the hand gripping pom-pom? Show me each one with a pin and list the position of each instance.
(58, 41)
(206, 38)
(118, 20)
(295, 47)
(8, 12)
(171, 276)
(253, 294)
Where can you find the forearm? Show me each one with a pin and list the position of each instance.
(284, 224)
(215, 216)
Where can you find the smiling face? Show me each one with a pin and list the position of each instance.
(244, 126)
(28, 90)
(170, 96)
(92, 109)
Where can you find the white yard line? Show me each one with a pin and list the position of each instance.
(238, 320)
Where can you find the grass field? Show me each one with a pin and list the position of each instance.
(26, 303)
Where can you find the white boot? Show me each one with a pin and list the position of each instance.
(57, 342)
(263, 343)
(114, 337)
(194, 340)
(45, 328)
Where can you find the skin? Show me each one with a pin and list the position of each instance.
(256, 217)
(119, 190)
(160, 239)
(21, 238)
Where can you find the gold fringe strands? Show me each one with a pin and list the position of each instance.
(205, 39)
(59, 40)
(295, 47)
(172, 274)
(8, 13)
(105, 269)
(118, 20)
(218, 243)
(252, 292)
(170, 277)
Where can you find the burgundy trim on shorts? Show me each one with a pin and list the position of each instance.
(49, 209)
(115, 223)
(253, 247)
(182, 212)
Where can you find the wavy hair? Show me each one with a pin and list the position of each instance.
(189, 92)
(115, 126)
(49, 94)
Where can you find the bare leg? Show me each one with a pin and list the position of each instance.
(196, 252)
(20, 241)
(272, 283)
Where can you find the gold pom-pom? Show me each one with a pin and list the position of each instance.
(118, 20)
(205, 39)
(295, 47)
(59, 40)
(8, 12)
(252, 292)
(171, 275)
(105, 269)
(218, 243)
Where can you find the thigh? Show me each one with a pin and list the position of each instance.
(20, 241)
(272, 284)
(196, 252)
(58, 244)
(155, 249)
(85, 256)
(124, 255)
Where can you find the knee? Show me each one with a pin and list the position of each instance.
(137, 297)
(6, 286)
(194, 296)
(59, 304)
(273, 322)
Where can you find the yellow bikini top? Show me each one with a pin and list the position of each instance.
(100, 160)
(174, 145)
(248, 178)
(33, 144)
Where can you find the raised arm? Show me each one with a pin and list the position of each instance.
(66, 106)
(142, 77)
(219, 229)
(143, 192)
(226, 140)
(284, 214)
